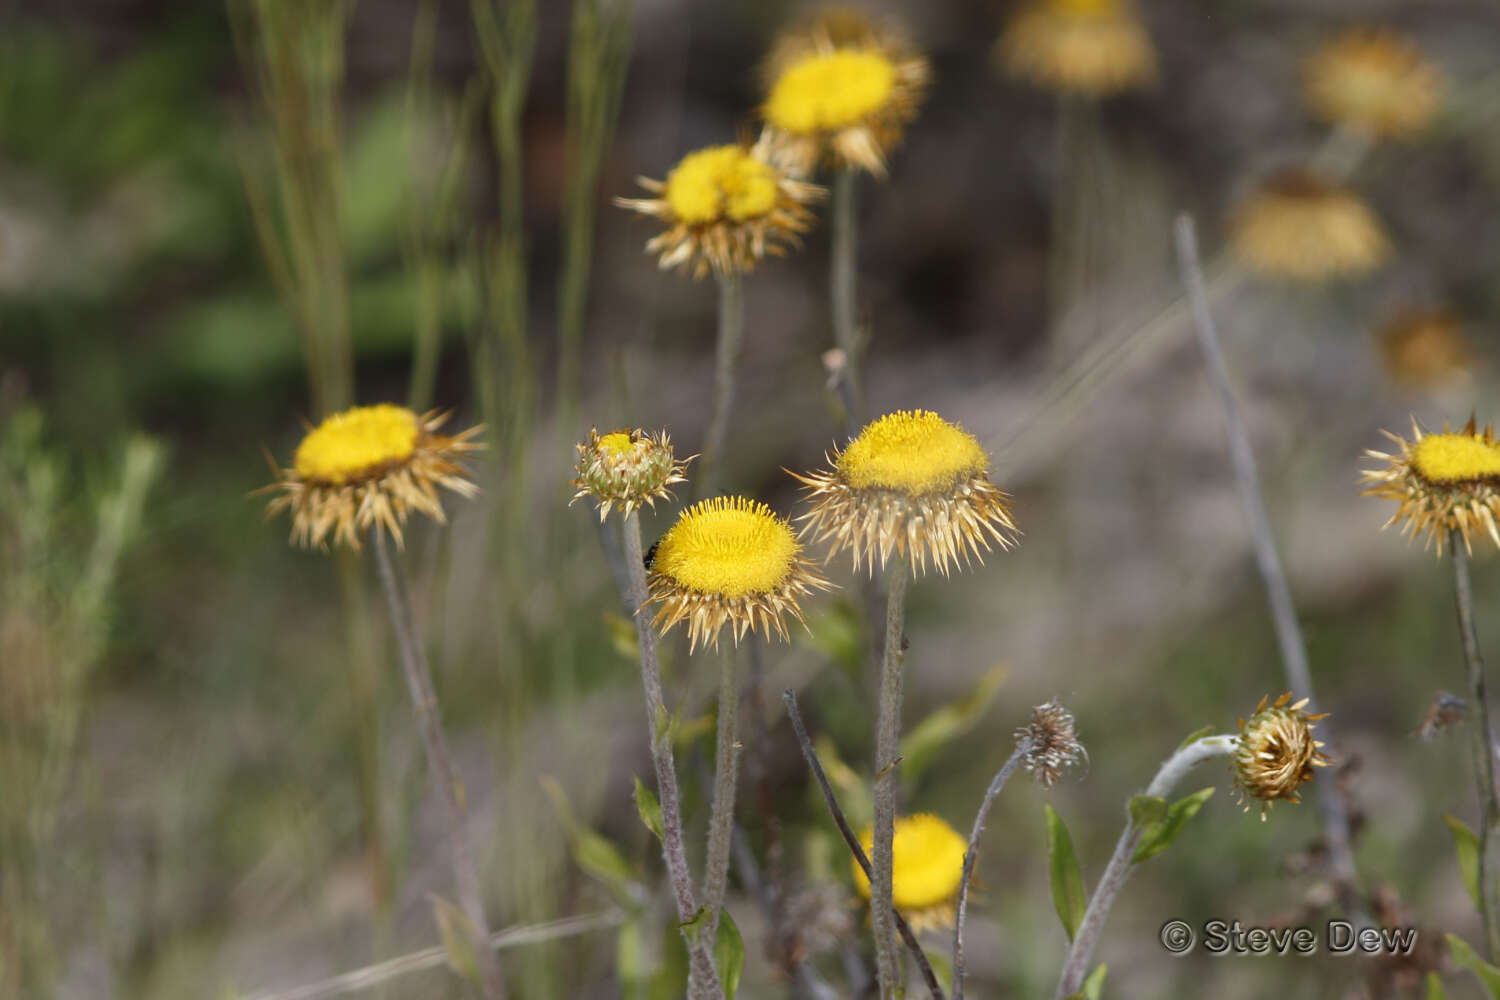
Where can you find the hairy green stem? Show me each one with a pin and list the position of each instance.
(429, 721)
(972, 854)
(887, 773)
(726, 360)
(1483, 740)
(844, 234)
(726, 777)
(703, 979)
(1121, 863)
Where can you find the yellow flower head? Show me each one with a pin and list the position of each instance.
(1444, 482)
(1374, 80)
(368, 468)
(1425, 349)
(927, 863)
(1090, 47)
(726, 207)
(627, 467)
(911, 483)
(1299, 226)
(730, 561)
(840, 91)
(1276, 752)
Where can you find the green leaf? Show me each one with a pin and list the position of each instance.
(593, 853)
(669, 982)
(1195, 736)
(1466, 844)
(1067, 883)
(1465, 956)
(1435, 989)
(693, 926)
(926, 739)
(729, 954)
(458, 937)
(1147, 809)
(648, 807)
(629, 955)
(835, 633)
(1159, 836)
(1094, 984)
(852, 788)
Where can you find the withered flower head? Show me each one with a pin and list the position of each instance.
(1444, 482)
(369, 467)
(927, 863)
(911, 483)
(840, 91)
(1300, 226)
(1374, 80)
(627, 467)
(1089, 47)
(1425, 349)
(1276, 752)
(730, 561)
(726, 208)
(1052, 743)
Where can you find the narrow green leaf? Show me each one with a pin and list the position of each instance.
(458, 937)
(1147, 809)
(1094, 984)
(648, 807)
(1466, 845)
(669, 982)
(1488, 975)
(602, 859)
(729, 954)
(1159, 836)
(1195, 736)
(1062, 865)
(1435, 989)
(629, 956)
(921, 745)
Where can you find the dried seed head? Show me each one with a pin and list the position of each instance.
(1276, 752)
(1051, 742)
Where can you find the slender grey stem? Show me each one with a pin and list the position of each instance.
(1120, 864)
(972, 854)
(429, 721)
(703, 979)
(1283, 614)
(863, 860)
(726, 360)
(726, 776)
(844, 234)
(1484, 761)
(887, 772)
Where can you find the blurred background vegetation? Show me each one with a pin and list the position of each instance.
(218, 221)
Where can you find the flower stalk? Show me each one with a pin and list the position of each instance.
(703, 979)
(887, 772)
(726, 360)
(972, 854)
(1484, 760)
(842, 287)
(429, 721)
(1121, 864)
(726, 778)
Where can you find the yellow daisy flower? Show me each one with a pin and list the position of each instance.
(1300, 226)
(840, 91)
(1276, 752)
(369, 467)
(726, 208)
(730, 561)
(927, 863)
(627, 467)
(1089, 47)
(1374, 80)
(1425, 349)
(911, 483)
(1443, 481)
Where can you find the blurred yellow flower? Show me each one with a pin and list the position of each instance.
(730, 561)
(927, 863)
(1300, 226)
(369, 467)
(1375, 80)
(1425, 349)
(1089, 47)
(726, 207)
(840, 91)
(911, 483)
